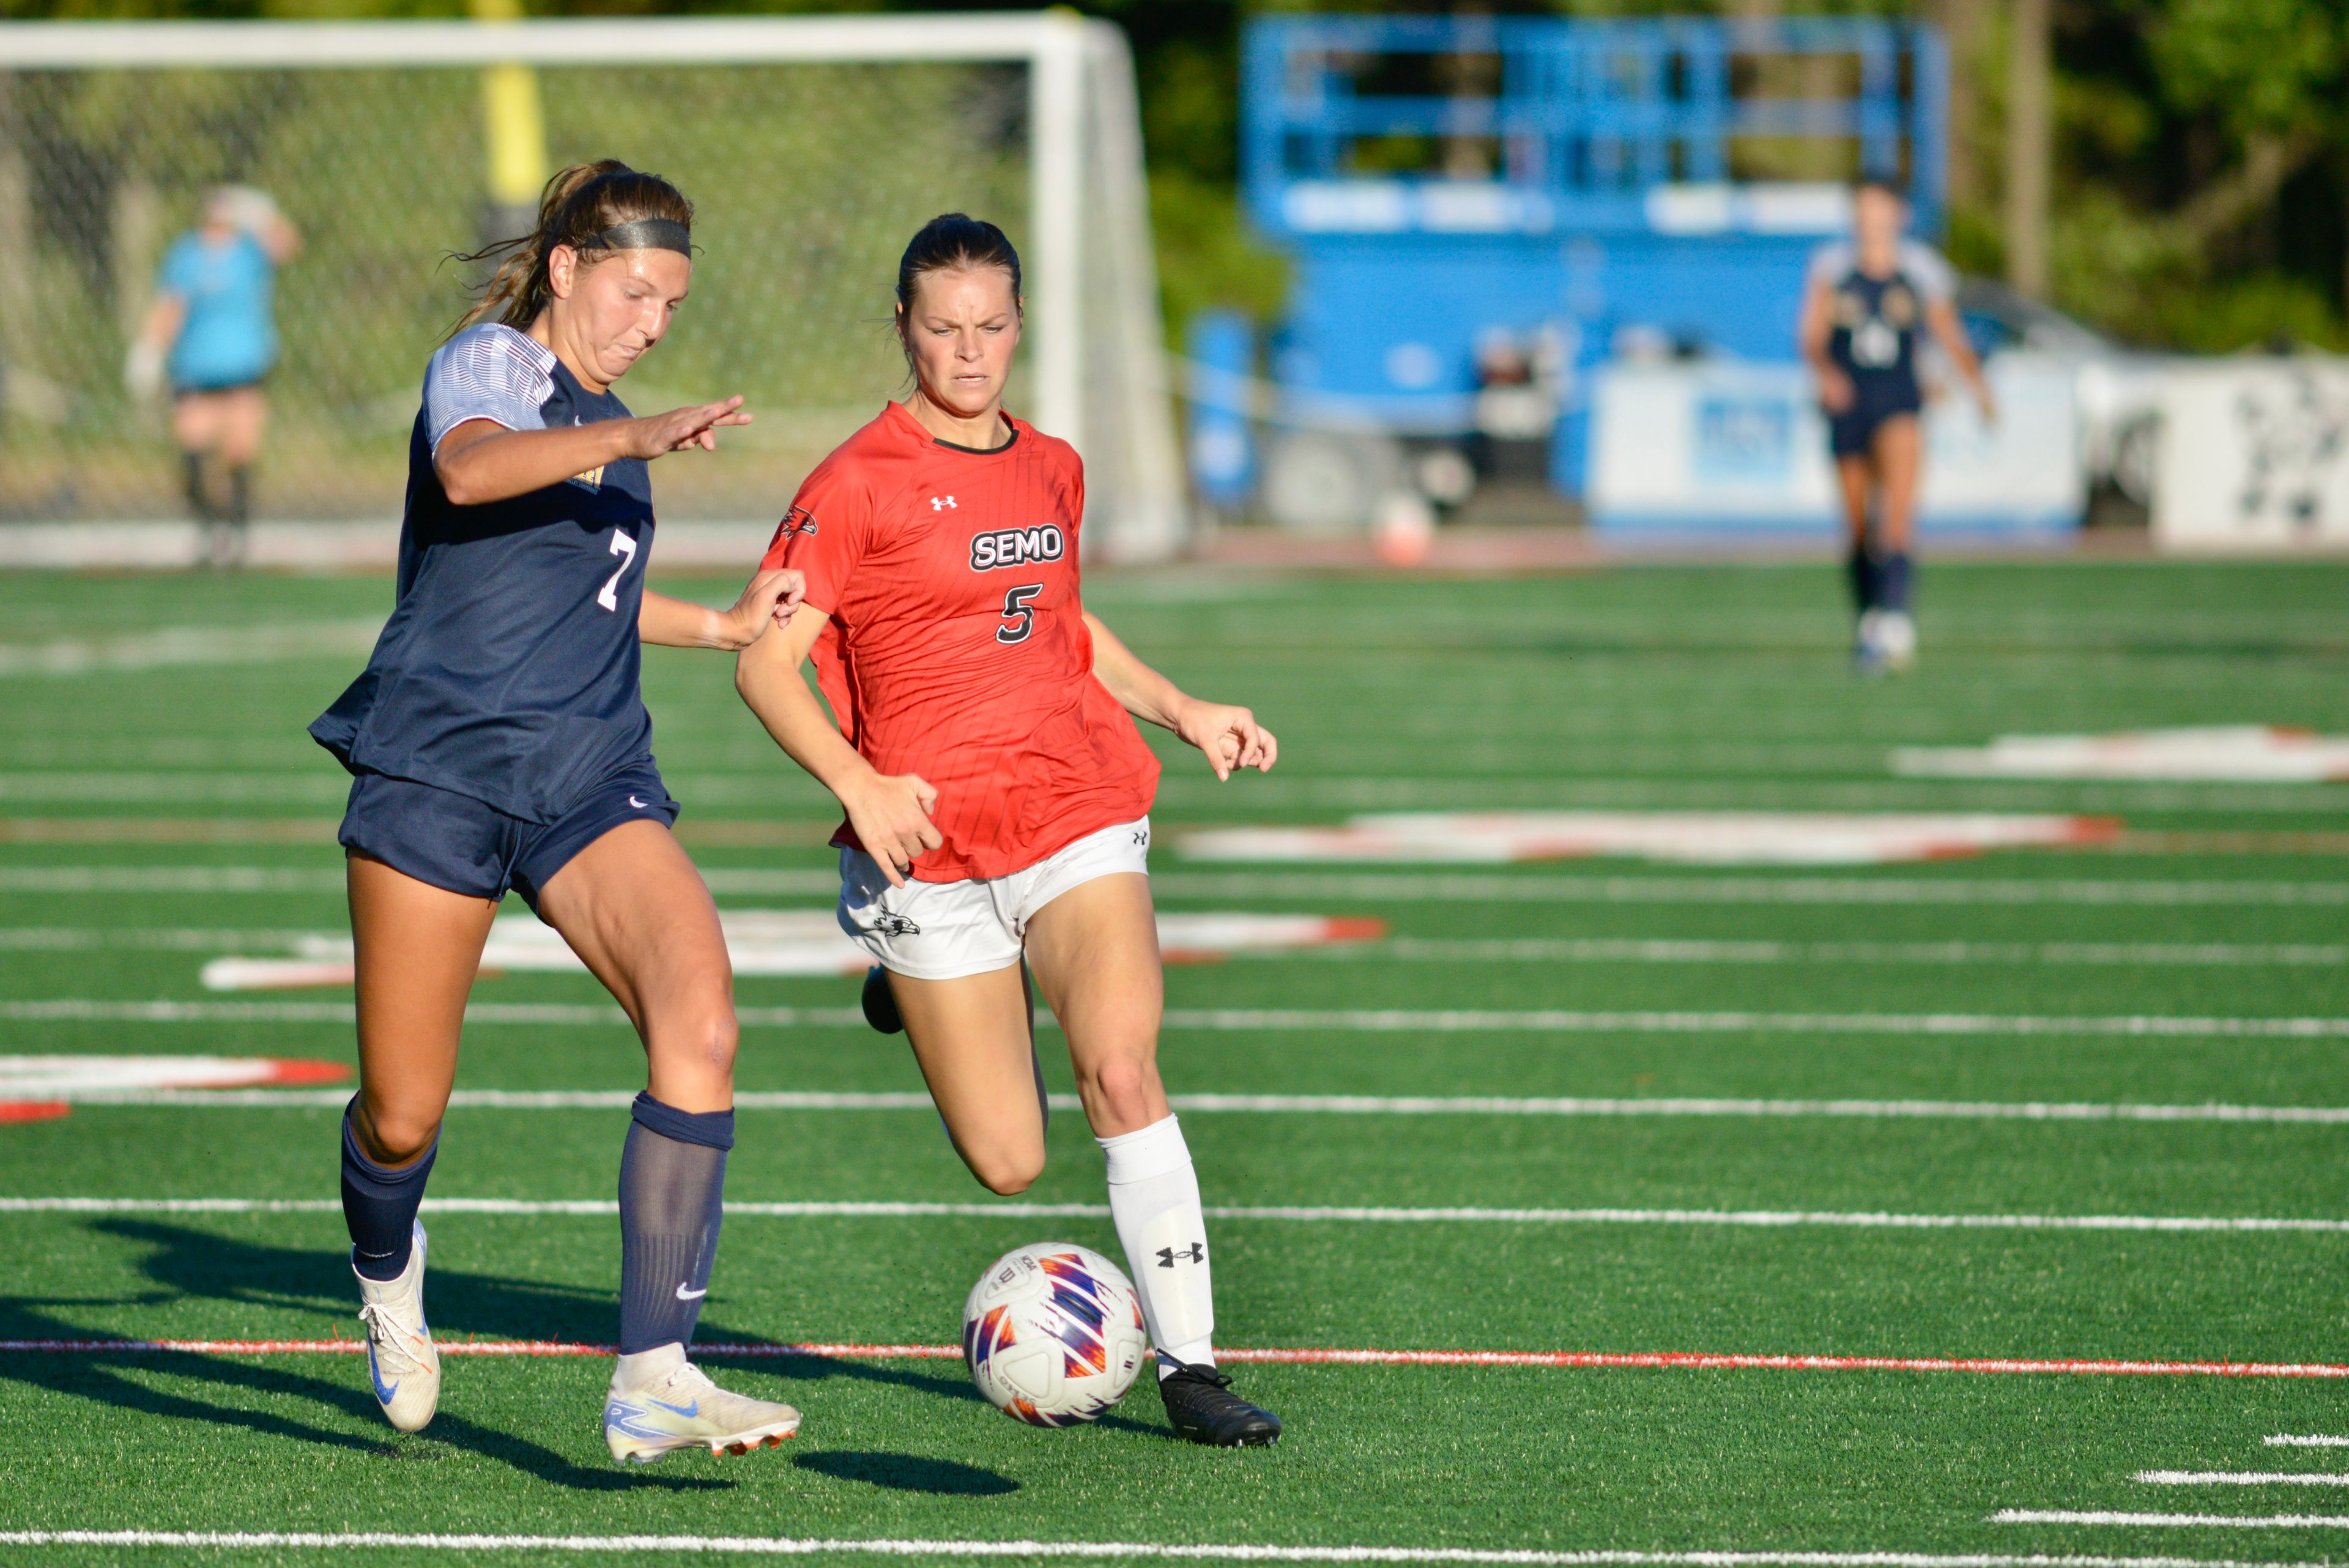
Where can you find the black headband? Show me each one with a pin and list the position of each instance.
(646, 235)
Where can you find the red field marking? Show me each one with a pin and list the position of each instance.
(284, 1070)
(1693, 1360)
(33, 1110)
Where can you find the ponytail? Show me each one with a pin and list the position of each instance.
(578, 208)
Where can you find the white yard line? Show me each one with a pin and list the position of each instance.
(1766, 1218)
(651, 1547)
(176, 939)
(1383, 887)
(1603, 949)
(2171, 1521)
(2240, 1478)
(181, 645)
(1440, 886)
(1440, 950)
(1282, 1105)
(1370, 1021)
(2304, 1440)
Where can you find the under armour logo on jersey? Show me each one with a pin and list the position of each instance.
(941, 503)
(1196, 1252)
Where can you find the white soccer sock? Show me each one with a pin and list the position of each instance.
(1153, 1200)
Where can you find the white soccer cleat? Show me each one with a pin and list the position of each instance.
(684, 1410)
(402, 1362)
(1896, 641)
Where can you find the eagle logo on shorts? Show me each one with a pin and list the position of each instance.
(890, 925)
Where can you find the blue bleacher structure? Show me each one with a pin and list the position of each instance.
(1450, 187)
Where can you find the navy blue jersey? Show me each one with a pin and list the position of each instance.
(509, 669)
(1874, 322)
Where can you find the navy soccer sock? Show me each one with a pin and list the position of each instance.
(672, 1183)
(1860, 569)
(1898, 569)
(379, 1206)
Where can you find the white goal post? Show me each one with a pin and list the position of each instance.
(1095, 366)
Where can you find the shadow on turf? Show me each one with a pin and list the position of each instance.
(909, 1472)
(186, 1263)
(194, 1264)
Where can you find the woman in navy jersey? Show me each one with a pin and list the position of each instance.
(1864, 306)
(498, 739)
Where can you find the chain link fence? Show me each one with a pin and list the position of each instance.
(807, 180)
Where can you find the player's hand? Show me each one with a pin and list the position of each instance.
(768, 599)
(1230, 737)
(680, 429)
(1987, 404)
(891, 816)
(1834, 389)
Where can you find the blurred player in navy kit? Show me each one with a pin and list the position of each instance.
(498, 739)
(1865, 301)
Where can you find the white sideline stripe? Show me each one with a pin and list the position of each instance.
(1420, 888)
(1384, 886)
(784, 1546)
(1587, 949)
(2240, 1478)
(192, 645)
(1440, 950)
(1374, 1021)
(2172, 1521)
(1771, 1219)
(1277, 1104)
(2304, 1440)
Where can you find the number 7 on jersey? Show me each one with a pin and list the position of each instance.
(625, 547)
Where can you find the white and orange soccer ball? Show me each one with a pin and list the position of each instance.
(1053, 1334)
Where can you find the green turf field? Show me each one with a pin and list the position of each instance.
(160, 805)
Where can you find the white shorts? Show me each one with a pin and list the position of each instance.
(944, 931)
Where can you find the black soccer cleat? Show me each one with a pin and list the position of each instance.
(1204, 1409)
(881, 1002)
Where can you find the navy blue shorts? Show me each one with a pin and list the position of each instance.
(456, 842)
(1852, 433)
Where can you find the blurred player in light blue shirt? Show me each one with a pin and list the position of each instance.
(213, 335)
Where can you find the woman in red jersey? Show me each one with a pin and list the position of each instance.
(998, 796)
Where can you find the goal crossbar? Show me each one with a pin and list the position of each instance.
(693, 40)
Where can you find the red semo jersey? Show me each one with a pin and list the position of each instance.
(956, 648)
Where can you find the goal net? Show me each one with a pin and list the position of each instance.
(812, 148)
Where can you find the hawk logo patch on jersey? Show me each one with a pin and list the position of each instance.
(1016, 547)
(797, 520)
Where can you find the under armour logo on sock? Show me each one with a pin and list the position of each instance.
(1196, 1252)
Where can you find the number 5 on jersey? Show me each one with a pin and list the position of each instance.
(1019, 615)
(626, 548)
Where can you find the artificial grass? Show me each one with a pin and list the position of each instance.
(1657, 688)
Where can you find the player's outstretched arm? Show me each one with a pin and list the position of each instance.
(890, 814)
(481, 460)
(1950, 333)
(1229, 737)
(768, 599)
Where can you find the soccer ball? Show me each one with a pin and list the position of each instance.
(1052, 1334)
